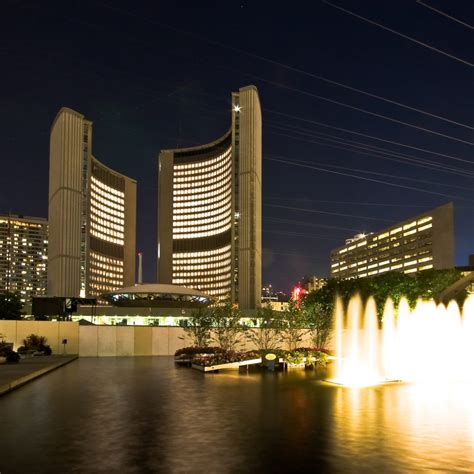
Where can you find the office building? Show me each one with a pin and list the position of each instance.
(312, 283)
(210, 210)
(92, 215)
(23, 255)
(419, 243)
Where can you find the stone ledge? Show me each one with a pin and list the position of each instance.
(50, 365)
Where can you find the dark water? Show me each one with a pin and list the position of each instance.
(143, 415)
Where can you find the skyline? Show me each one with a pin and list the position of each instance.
(170, 105)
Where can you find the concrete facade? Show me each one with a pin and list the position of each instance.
(419, 243)
(210, 210)
(92, 215)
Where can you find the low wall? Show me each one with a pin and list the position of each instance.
(54, 331)
(103, 341)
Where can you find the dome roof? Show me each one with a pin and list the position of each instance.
(157, 294)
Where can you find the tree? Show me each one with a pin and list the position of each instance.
(198, 328)
(10, 306)
(228, 332)
(320, 323)
(294, 326)
(426, 284)
(267, 336)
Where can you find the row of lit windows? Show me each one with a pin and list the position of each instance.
(191, 271)
(106, 188)
(217, 174)
(105, 278)
(202, 253)
(214, 262)
(184, 206)
(219, 292)
(199, 165)
(107, 209)
(209, 283)
(199, 216)
(209, 205)
(208, 278)
(207, 265)
(207, 233)
(386, 262)
(101, 199)
(105, 237)
(394, 231)
(204, 223)
(217, 197)
(106, 215)
(18, 224)
(191, 192)
(218, 205)
(101, 222)
(106, 259)
(100, 266)
(394, 259)
(106, 231)
(214, 180)
(114, 202)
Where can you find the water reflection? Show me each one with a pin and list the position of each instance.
(145, 415)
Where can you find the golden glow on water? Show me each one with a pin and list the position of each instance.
(426, 344)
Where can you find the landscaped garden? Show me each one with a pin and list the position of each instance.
(219, 339)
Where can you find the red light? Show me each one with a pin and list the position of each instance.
(297, 294)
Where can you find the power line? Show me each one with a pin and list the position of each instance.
(412, 161)
(359, 109)
(305, 256)
(291, 208)
(445, 14)
(309, 224)
(301, 234)
(322, 124)
(285, 66)
(347, 141)
(444, 53)
(354, 203)
(387, 175)
(367, 179)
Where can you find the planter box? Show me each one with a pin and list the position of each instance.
(228, 366)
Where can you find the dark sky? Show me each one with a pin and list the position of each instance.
(159, 75)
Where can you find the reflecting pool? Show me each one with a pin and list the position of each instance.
(143, 414)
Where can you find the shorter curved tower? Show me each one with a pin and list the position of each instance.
(209, 210)
(92, 215)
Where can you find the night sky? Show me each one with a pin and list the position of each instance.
(159, 75)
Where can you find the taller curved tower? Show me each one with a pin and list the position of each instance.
(210, 210)
(91, 212)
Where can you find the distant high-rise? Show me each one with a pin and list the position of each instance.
(23, 255)
(419, 243)
(210, 210)
(92, 215)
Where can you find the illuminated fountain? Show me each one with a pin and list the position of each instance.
(427, 343)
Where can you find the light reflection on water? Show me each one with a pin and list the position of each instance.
(145, 415)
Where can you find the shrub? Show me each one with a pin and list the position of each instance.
(197, 350)
(36, 343)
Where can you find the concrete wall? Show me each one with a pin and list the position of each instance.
(103, 341)
(54, 331)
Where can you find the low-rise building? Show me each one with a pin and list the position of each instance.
(419, 243)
